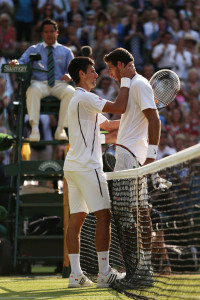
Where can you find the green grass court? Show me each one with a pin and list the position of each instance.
(55, 287)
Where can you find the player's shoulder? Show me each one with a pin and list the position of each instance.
(139, 80)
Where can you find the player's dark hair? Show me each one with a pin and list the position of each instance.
(119, 54)
(48, 21)
(77, 64)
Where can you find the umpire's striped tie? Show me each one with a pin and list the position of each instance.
(50, 67)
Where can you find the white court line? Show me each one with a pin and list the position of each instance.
(64, 296)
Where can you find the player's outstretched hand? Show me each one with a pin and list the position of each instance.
(128, 71)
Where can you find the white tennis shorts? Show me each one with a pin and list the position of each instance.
(87, 191)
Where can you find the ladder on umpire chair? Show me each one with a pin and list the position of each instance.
(30, 249)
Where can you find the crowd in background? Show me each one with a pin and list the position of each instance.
(159, 33)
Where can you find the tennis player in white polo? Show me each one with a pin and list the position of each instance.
(87, 186)
(139, 131)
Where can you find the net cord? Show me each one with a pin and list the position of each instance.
(167, 162)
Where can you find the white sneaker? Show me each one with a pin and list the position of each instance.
(79, 281)
(103, 281)
(35, 135)
(60, 134)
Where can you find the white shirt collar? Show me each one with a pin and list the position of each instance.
(80, 88)
(54, 45)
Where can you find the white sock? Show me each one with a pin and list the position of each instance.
(75, 264)
(103, 260)
(34, 126)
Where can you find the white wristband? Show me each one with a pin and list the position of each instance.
(152, 151)
(102, 138)
(125, 82)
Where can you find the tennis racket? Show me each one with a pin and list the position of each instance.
(125, 158)
(165, 84)
(128, 160)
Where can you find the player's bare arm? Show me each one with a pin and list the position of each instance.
(154, 129)
(110, 125)
(119, 106)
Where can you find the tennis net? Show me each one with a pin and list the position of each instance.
(155, 228)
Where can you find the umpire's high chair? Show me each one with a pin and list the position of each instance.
(29, 249)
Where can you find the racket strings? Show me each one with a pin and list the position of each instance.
(165, 85)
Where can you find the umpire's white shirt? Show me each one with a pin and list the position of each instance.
(84, 133)
(133, 129)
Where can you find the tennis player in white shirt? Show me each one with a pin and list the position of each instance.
(139, 131)
(87, 186)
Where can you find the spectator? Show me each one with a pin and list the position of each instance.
(45, 13)
(174, 28)
(190, 45)
(7, 6)
(90, 26)
(180, 142)
(186, 29)
(116, 29)
(169, 14)
(195, 117)
(134, 39)
(102, 19)
(178, 5)
(96, 6)
(160, 258)
(99, 49)
(8, 35)
(196, 18)
(74, 10)
(156, 37)
(129, 10)
(188, 11)
(70, 39)
(9, 86)
(193, 82)
(149, 28)
(7, 114)
(164, 149)
(142, 6)
(162, 52)
(148, 71)
(43, 84)
(180, 60)
(182, 98)
(62, 30)
(24, 20)
(176, 124)
(60, 8)
(80, 34)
